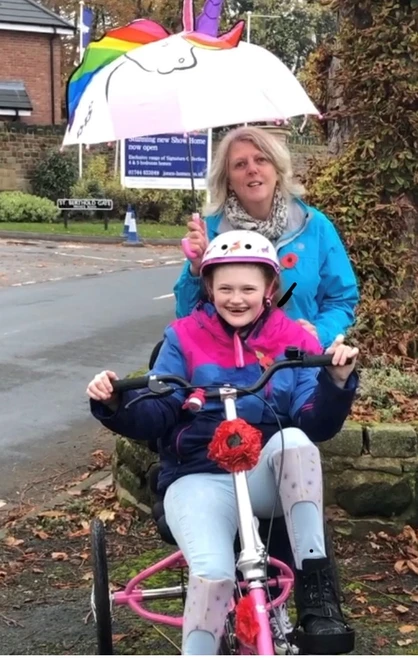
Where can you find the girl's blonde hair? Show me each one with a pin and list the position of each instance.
(270, 146)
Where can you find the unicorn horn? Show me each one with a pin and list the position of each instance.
(208, 21)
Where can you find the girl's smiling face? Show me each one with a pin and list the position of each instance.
(238, 292)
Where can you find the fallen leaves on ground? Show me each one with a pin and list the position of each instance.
(404, 642)
(12, 542)
(59, 556)
(402, 609)
(405, 630)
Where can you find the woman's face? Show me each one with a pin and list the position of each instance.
(252, 177)
(238, 292)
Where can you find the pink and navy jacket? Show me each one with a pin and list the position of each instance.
(204, 350)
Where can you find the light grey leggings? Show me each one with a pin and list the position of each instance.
(200, 510)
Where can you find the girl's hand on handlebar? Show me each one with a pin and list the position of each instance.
(101, 388)
(340, 371)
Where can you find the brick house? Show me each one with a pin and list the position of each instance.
(30, 68)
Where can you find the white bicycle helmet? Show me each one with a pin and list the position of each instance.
(240, 246)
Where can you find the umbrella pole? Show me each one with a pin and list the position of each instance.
(189, 149)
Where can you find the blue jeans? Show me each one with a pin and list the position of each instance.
(201, 511)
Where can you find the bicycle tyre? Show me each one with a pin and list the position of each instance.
(101, 589)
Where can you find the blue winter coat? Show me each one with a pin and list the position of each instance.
(326, 291)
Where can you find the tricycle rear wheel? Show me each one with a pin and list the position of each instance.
(102, 613)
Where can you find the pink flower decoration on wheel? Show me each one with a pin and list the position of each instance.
(289, 260)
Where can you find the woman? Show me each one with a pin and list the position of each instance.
(229, 339)
(251, 186)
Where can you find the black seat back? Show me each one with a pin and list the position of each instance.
(158, 507)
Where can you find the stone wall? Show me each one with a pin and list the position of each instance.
(370, 475)
(22, 146)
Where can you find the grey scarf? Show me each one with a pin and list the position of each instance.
(272, 228)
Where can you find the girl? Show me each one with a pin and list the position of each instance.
(228, 340)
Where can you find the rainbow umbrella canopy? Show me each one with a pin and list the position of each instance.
(140, 80)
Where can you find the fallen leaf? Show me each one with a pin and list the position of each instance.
(404, 642)
(401, 567)
(361, 599)
(52, 514)
(41, 534)
(381, 641)
(373, 577)
(59, 556)
(12, 542)
(78, 533)
(408, 532)
(87, 576)
(414, 598)
(106, 514)
(121, 530)
(372, 609)
(37, 570)
(2, 503)
(65, 585)
(84, 476)
(386, 537)
(413, 565)
(117, 637)
(83, 555)
(402, 609)
(407, 629)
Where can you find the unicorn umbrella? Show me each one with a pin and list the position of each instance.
(139, 80)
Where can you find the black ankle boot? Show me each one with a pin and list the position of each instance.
(321, 629)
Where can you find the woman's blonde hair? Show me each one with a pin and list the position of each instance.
(270, 146)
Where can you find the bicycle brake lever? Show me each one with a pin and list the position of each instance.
(159, 388)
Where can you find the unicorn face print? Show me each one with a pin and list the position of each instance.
(86, 120)
(164, 57)
(158, 59)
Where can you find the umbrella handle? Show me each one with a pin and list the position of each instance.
(185, 243)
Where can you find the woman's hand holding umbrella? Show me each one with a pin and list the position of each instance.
(195, 243)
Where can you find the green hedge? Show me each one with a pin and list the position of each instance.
(164, 206)
(21, 207)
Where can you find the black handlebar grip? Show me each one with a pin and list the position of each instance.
(320, 360)
(127, 384)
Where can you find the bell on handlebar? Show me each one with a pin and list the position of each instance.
(158, 387)
(293, 353)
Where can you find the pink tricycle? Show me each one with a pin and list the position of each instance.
(247, 628)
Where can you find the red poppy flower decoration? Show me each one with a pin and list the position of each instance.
(289, 260)
(246, 624)
(235, 446)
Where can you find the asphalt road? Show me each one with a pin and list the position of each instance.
(54, 337)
